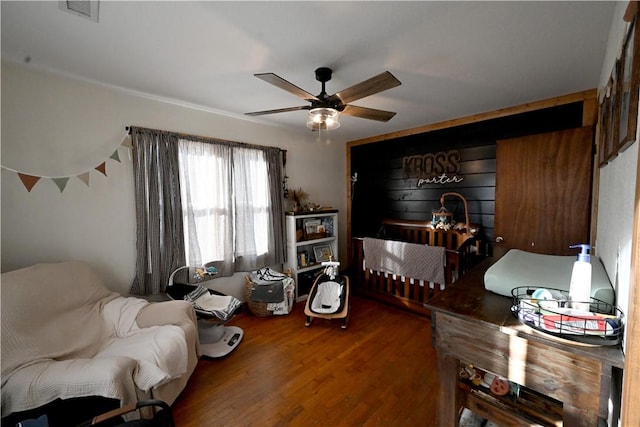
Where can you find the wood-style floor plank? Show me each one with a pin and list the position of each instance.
(380, 371)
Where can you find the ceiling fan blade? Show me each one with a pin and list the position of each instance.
(382, 81)
(279, 110)
(368, 113)
(285, 85)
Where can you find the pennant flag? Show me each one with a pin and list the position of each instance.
(28, 180)
(126, 142)
(84, 178)
(102, 168)
(61, 182)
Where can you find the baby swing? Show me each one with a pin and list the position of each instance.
(329, 296)
(213, 310)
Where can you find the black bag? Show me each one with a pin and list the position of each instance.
(267, 292)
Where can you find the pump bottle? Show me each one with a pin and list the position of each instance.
(580, 287)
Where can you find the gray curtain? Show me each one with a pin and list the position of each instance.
(276, 185)
(160, 245)
(159, 231)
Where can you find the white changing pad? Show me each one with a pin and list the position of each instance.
(520, 268)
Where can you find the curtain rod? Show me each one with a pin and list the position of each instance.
(203, 138)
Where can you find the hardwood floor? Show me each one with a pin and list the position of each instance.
(380, 371)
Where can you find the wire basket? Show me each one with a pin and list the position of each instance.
(551, 311)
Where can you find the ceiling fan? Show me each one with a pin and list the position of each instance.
(324, 109)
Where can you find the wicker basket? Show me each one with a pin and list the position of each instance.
(314, 236)
(258, 309)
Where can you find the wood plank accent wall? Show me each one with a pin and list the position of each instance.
(382, 191)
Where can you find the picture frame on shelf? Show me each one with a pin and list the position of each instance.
(311, 225)
(314, 229)
(323, 253)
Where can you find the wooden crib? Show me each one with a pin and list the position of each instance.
(405, 292)
(464, 248)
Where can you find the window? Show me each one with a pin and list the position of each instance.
(226, 205)
(206, 197)
(202, 200)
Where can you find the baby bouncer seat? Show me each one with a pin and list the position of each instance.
(212, 308)
(329, 296)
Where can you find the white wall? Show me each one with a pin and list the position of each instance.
(615, 221)
(614, 42)
(617, 188)
(55, 126)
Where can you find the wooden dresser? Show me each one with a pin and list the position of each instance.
(472, 325)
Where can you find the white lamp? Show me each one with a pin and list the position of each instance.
(323, 118)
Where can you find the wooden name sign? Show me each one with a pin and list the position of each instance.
(442, 167)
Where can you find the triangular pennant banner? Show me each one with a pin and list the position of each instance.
(126, 142)
(84, 178)
(61, 182)
(28, 180)
(102, 168)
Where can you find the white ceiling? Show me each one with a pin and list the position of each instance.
(453, 58)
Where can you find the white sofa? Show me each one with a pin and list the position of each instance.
(65, 335)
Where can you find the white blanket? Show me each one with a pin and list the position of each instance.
(412, 260)
(161, 351)
(65, 335)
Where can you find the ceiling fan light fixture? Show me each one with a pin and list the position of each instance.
(323, 118)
